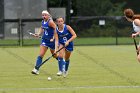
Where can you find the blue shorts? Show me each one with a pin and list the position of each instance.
(69, 47)
(47, 43)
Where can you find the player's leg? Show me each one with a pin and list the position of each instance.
(138, 57)
(42, 52)
(67, 59)
(67, 62)
(52, 48)
(55, 56)
(68, 52)
(61, 61)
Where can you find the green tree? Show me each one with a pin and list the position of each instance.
(117, 9)
(93, 7)
(98, 7)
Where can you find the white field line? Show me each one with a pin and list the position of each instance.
(70, 88)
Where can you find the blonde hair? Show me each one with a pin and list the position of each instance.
(129, 13)
(46, 12)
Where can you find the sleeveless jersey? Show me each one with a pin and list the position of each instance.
(48, 31)
(135, 27)
(63, 35)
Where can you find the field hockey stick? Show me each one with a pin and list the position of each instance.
(49, 57)
(33, 34)
(136, 46)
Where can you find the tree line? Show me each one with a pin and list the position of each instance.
(99, 8)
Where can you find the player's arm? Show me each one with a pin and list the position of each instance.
(39, 32)
(136, 22)
(73, 35)
(53, 25)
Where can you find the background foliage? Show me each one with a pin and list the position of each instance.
(90, 8)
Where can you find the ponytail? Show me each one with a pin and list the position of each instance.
(136, 16)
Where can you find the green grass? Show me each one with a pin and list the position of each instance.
(93, 69)
(77, 41)
(103, 41)
(9, 42)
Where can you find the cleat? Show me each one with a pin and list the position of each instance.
(35, 71)
(65, 73)
(59, 73)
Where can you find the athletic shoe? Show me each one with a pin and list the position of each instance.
(65, 73)
(35, 71)
(59, 73)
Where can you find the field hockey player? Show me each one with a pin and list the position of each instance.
(49, 39)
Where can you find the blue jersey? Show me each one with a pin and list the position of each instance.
(64, 36)
(48, 31)
(47, 35)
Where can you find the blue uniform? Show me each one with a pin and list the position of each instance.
(47, 35)
(64, 36)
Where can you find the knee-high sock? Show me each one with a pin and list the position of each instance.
(38, 62)
(67, 65)
(60, 64)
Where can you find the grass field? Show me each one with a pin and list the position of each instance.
(78, 41)
(93, 69)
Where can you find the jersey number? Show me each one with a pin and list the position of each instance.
(65, 39)
(46, 32)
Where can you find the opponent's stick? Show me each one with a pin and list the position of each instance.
(136, 46)
(49, 57)
(33, 34)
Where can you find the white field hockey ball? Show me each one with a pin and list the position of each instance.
(49, 78)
